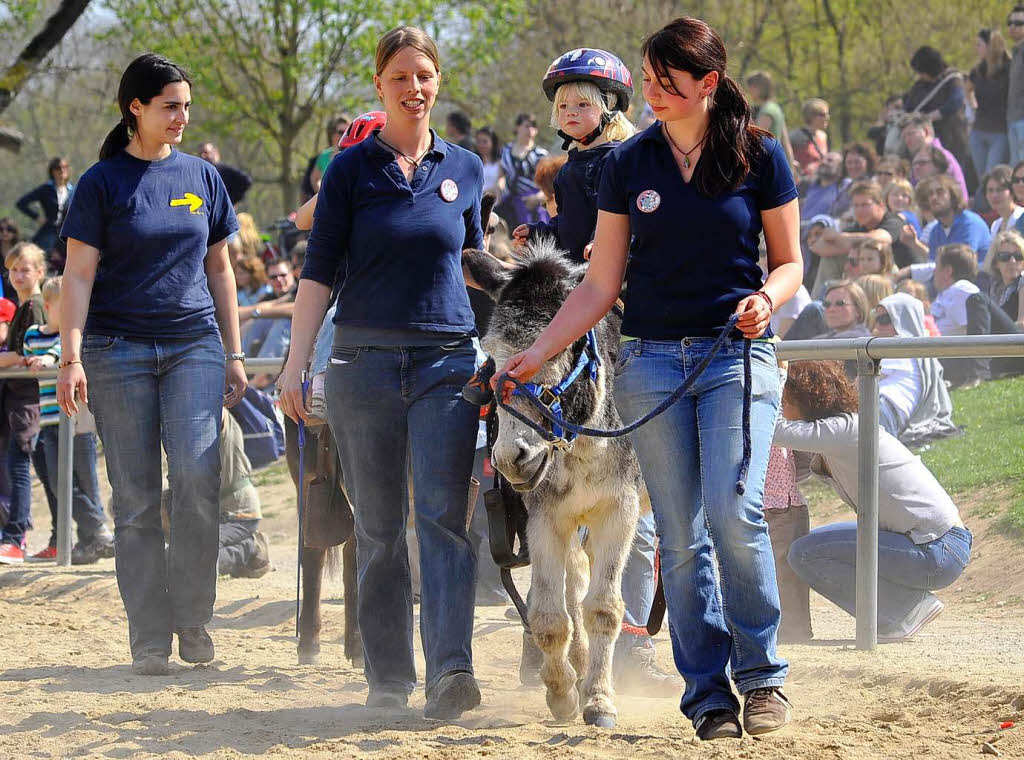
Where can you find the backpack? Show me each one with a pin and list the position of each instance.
(262, 431)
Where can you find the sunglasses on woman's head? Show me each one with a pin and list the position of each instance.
(840, 303)
(883, 318)
(1007, 255)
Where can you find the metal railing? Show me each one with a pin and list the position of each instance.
(868, 353)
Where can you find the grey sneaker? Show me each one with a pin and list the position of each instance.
(318, 401)
(454, 694)
(150, 665)
(765, 710)
(925, 612)
(637, 673)
(195, 644)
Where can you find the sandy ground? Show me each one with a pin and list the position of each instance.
(67, 690)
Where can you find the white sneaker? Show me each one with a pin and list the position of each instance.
(925, 612)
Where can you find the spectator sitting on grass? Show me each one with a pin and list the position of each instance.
(923, 545)
(920, 291)
(955, 223)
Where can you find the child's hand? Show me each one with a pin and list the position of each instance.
(520, 234)
(35, 363)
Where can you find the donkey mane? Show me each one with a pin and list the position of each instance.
(543, 280)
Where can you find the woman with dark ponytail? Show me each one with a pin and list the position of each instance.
(693, 193)
(149, 282)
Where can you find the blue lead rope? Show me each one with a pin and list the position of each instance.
(562, 428)
(301, 503)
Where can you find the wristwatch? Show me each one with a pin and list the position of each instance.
(256, 312)
(239, 357)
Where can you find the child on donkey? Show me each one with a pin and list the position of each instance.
(590, 90)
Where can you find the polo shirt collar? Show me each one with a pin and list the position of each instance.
(653, 132)
(438, 151)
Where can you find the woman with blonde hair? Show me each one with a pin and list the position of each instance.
(898, 197)
(403, 349)
(1005, 263)
(249, 235)
(846, 310)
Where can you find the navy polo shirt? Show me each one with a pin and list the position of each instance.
(396, 246)
(576, 187)
(693, 258)
(152, 222)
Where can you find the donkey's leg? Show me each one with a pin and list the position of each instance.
(611, 534)
(549, 539)
(313, 561)
(353, 641)
(577, 579)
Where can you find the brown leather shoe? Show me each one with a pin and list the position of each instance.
(765, 710)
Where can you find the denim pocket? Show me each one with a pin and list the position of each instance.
(345, 354)
(93, 343)
(627, 352)
(957, 548)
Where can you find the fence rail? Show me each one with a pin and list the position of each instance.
(868, 353)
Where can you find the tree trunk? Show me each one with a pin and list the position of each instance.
(289, 191)
(38, 48)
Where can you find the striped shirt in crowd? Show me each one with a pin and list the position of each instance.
(41, 343)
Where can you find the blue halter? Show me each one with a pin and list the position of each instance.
(550, 396)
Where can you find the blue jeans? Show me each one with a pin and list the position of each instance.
(988, 149)
(638, 584)
(19, 468)
(324, 343)
(384, 404)
(86, 505)
(716, 558)
(1015, 135)
(144, 394)
(826, 558)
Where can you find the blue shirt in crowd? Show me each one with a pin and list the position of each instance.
(152, 222)
(967, 228)
(693, 257)
(576, 186)
(396, 245)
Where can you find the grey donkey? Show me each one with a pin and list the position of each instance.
(575, 605)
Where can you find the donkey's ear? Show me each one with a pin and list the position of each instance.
(486, 206)
(489, 273)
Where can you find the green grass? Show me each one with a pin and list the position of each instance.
(990, 454)
(272, 475)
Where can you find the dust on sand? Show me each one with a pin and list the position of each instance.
(67, 690)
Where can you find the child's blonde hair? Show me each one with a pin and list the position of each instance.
(51, 289)
(31, 252)
(619, 128)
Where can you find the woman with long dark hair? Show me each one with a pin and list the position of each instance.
(403, 349)
(149, 282)
(693, 193)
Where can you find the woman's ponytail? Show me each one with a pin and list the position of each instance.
(117, 140)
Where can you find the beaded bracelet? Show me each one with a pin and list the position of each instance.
(767, 299)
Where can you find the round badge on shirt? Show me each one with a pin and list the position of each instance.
(648, 201)
(449, 190)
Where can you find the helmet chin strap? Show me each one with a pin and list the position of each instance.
(568, 139)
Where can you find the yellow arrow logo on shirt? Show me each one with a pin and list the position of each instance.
(193, 201)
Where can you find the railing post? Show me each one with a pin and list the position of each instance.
(65, 473)
(867, 501)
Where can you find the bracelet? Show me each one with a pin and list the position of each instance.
(68, 363)
(767, 299)
(235, 357)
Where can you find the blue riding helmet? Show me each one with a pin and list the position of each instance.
(599, 67)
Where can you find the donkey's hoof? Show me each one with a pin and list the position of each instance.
(309, 658)
(565, 707)
(594, 717)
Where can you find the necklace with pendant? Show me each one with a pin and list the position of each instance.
(415, 162)
(685, 153)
